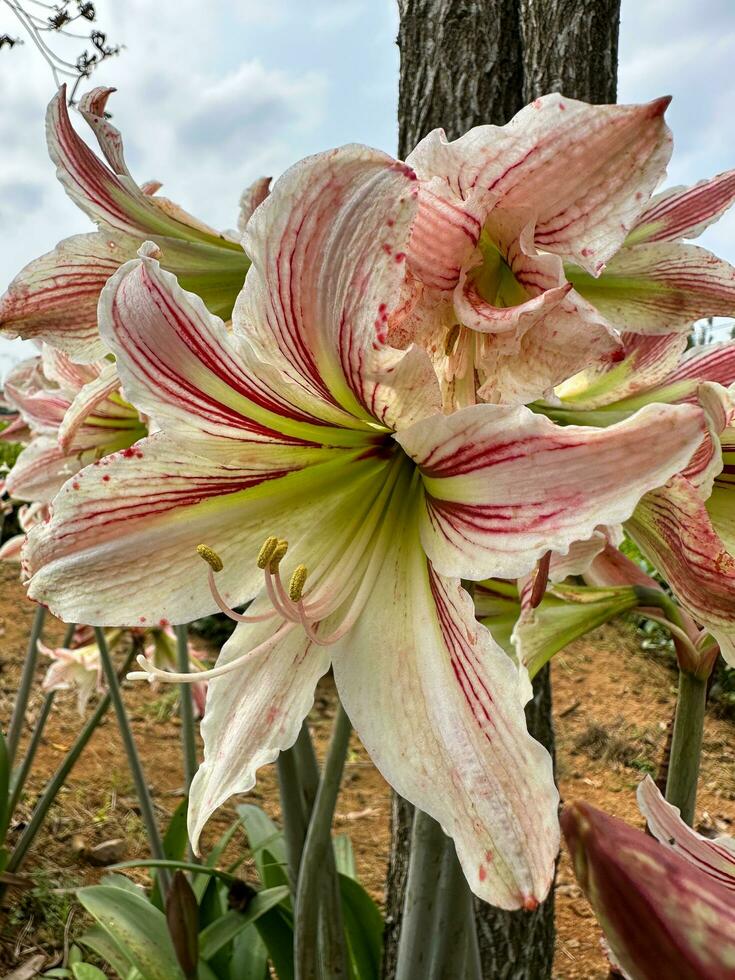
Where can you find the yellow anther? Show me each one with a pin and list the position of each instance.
(298, 580)
(210, 556)
(279, 553)
(266, 552)
(451, 339)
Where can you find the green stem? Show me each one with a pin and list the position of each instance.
(188, 727)
(59, 778)
(24, 768)
(24, 688)
(136, 769)
(298, 781)
(318, 910)
(420, 902)
(455, 921)
(686, 745)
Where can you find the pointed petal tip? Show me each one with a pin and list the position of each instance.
(659, 106)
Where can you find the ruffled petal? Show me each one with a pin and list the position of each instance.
(252, 713)
(659, 287)
(54, 298)
(120, 547)
(40, 471)
(94, 397)
(716, 858)
(684, 212)
(585, 171)
(672, 528)
(328, 248)
(439, 708)
(504, 485)
(250, 199)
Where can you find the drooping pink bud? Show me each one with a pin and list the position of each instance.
(662, 916)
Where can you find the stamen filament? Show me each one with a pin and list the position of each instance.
(277, 595)
(150, 671)
(238, 617)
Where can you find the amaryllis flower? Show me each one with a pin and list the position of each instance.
(74, 414)
(665, 907)
(77, 669)
(686, 528)
(501, 210)
(54, 298)
(304, 423)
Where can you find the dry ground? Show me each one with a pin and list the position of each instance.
(612, 705)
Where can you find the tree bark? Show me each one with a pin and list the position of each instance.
(465, 63)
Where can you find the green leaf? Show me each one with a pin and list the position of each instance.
(344, 856)
(85, 971)
(4, 788)
(264, 835)
(363, 925)
(75, 956)
(276, 931)
(174, 845)
(200, 883)
(120, 881)
(249, 956)
(224, 929)
(107, 949)
(138, 928)
(58, 972)
(198, 869)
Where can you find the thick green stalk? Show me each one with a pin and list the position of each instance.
(188, 726)
(421, 899)
(24, 688)
(136, 769)
(686, 745)
(318, 910)
(20, 776)
(454, 934)
(298, 781)
(59, 778)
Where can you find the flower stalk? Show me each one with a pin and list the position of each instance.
(24, 689)
(186, 708)
(59, 778)
(298, 781)
(686, 745)
(136, 769)
(318, 910)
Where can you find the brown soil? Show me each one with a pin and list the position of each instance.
(612, 706)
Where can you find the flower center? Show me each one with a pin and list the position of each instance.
(493, 279)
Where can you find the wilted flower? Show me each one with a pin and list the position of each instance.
(77, 669)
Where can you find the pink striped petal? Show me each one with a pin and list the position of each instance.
(92, 398)
(684, 212)
(648, 363)
(41, 470)
(584, 171)
(54, 298)
(328, 248)
(183, 368)
(504, 485)
(672, 528)
(714, 362)
(659, 287)
(251, 197)
(450, 732)
(716, 858)
(120, 548)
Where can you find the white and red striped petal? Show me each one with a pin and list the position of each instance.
(674, 531)
(684, 212)
(184, 369)
(253, 713)
(120, 548)
(504, 486)
(585, 171)
(250, 199)
(647, 364)
(450, 734)
(716, 858)
(54, 298)
(659, 287)
(328, 248)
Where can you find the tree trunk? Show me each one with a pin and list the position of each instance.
(465, 63)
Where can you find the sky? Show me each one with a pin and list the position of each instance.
(208, 102)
